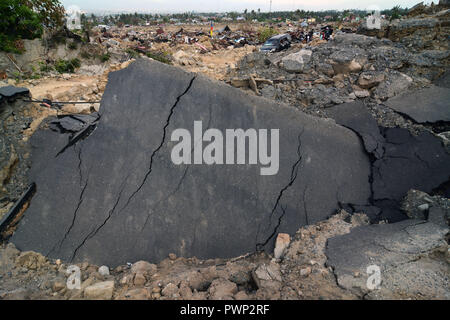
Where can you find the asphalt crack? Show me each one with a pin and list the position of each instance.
(294, 174)
(80, 201)
(172, 109)
(113, 209)
(96, 230)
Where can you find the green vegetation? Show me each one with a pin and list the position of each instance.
(395, 12)
(25, 19)
(50, 12)
(266, 33)
(67, 66)
(133, 53)
(105, 57)
(17, 21)
(45, 67)
(159, 56)
(73, 45)
(85, 55)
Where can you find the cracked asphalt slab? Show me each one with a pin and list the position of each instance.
(427, 105)
(404, 251)
(400, 161)
(115, 196)
(355, 116)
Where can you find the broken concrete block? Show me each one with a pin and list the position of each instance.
(426, 105)
(362, 93)
(356, 117)
(295, 62)
(126, 200)
(393, 253)
(370, 79)
(347, 67)
(396, 83)
(82, 108)
(12, 91)
(267, 276)
(409, 162)
(144, 267)
(281, 244)
(100, 291)
(240, 83)
(222, 289)
(170, 290)
(103, 270)
(401, 161)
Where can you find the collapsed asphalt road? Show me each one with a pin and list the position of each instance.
(115, 195)
(400, 160)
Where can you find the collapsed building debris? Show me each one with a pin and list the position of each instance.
(348, 68)
(14, 153)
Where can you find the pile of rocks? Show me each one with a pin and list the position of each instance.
(353, 67)
(14, 152)
(304, 267)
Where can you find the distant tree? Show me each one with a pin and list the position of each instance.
(17, 21)
(51, 12)
(93, 19)
(233, 15)
(395, 13)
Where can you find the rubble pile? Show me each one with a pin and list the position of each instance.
(15, 117)
(143, 38)
(425, 36)
(351, 67)
(321, 261)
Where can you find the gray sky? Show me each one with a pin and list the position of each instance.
(165, 6)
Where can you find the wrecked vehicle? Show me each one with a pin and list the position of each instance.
(277, 43)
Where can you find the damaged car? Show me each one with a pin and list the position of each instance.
(277, 43)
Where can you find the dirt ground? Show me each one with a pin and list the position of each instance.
(301, 274)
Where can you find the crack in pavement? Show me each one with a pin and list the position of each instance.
(172, 109)
(95, 230)
(294, 174)
(305, 210)
(80, 201)
(373, 156)
(180, 182)
(80, 135)
(110, 213)
(280, 218)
